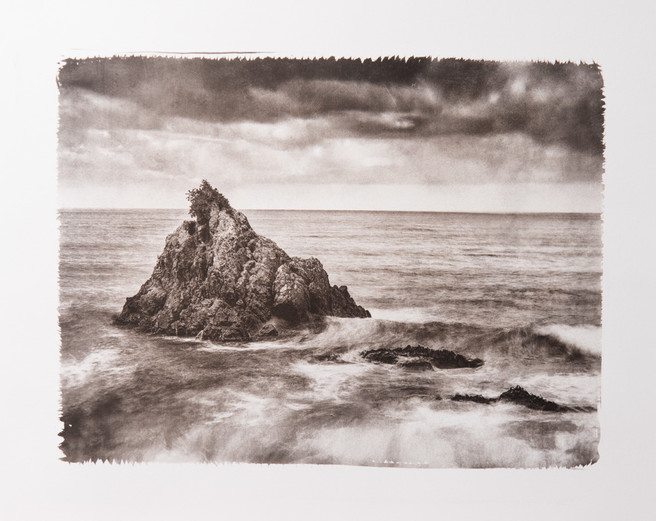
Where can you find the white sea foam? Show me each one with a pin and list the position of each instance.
(407, 315)
(253, 346)
(220, 416)
(78, 372)
(424, 436)
(330, 380)
(338, 332)
(250, 408)
(574, 389)
(415, 434)
(587, 338)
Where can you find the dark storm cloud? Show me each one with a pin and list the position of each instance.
(558, 104)
(454, 134)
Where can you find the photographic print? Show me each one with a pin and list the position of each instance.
(390, 261)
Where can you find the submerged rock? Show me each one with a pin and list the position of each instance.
(520, 396)
(329, 357)
(218, 279)
(417, 365)
(382, 356)
(440, 358)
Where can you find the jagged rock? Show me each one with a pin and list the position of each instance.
(520, 396)
(218, 279)
(440, 358)
(477, 398)
(382, 356)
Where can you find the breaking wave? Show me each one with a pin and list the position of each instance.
(585, 338)
(343, 335)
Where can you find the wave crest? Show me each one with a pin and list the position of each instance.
(346, 337)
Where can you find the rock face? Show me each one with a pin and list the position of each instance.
(218, 279)
(420, 358)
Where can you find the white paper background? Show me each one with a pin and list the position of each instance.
(35, 35)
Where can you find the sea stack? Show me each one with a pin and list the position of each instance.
(217, 279)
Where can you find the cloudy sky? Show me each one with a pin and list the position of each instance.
(393, 134)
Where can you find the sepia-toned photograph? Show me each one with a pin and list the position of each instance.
(390, 261)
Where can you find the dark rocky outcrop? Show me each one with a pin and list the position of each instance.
(218, 279)
(477, 398)
(520, 396)
(420, 357)
(381, 356)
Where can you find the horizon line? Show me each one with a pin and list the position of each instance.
(127, 208)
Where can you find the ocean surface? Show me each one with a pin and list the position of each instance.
(522, 292)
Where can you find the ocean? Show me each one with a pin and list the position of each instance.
(521, 292)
